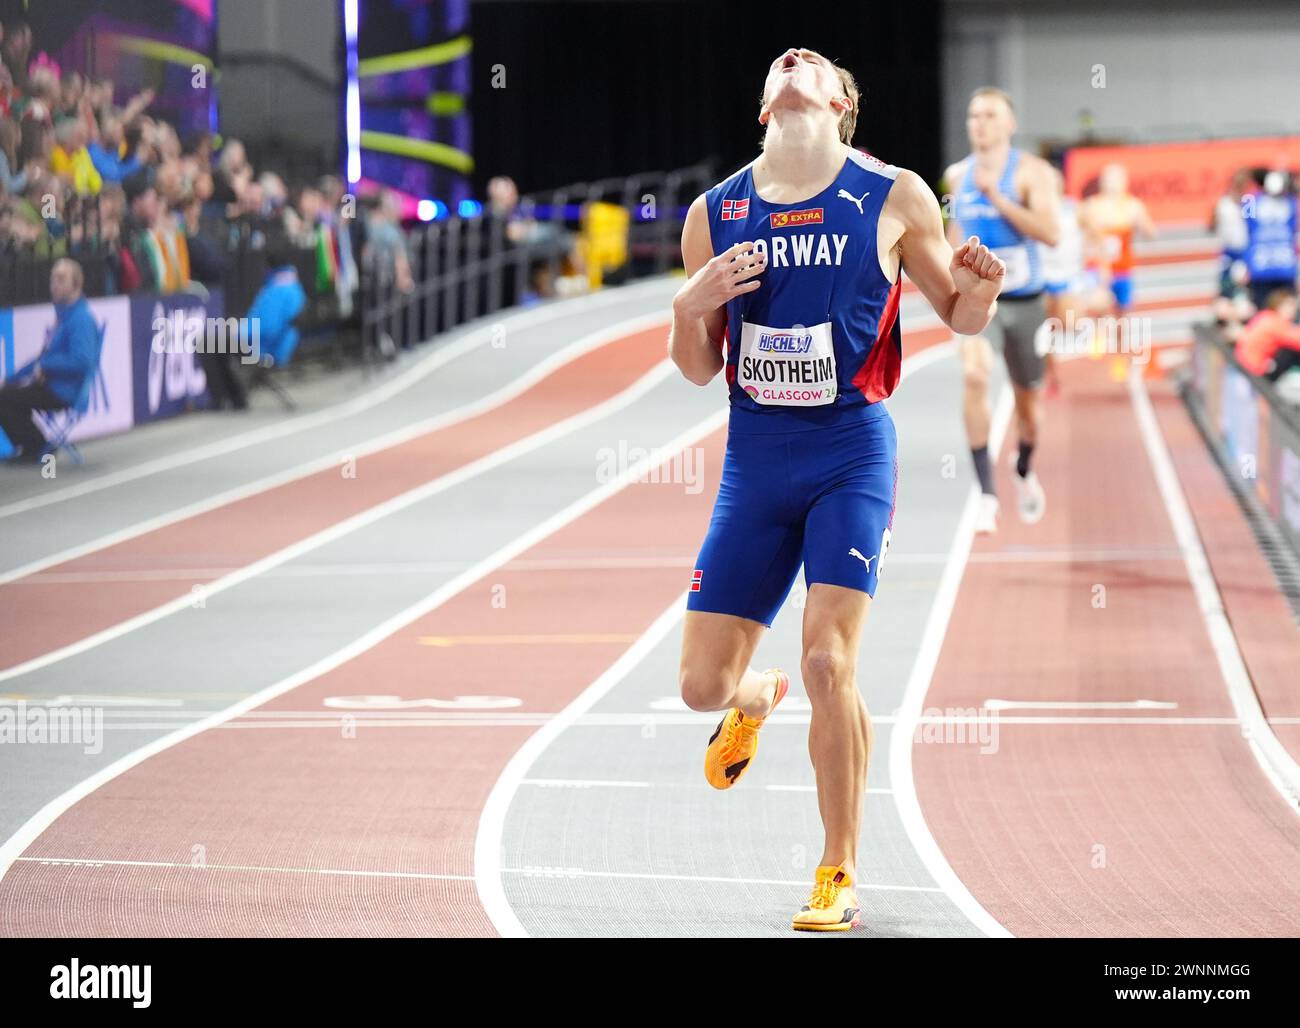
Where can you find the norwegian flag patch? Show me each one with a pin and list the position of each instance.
(697, 579)
(735, 210)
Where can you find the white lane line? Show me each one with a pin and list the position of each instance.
(332, 462)
(583, 783)
(28, 832)
(472, 339)
(910, 713)
(258, 868)
(635, 721)
(529, 872)
(367, 569)
(1276, 762)
(340, 529)
(1079, 705)
(489, 843)
(801, 883)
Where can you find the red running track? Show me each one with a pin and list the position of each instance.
(1140, 827)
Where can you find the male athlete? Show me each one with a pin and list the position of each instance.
(1008, 198)
(796, 260)
(1111, 217)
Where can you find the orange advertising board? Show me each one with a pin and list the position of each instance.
(1180, 182)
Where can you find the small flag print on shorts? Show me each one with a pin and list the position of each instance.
(697, 576)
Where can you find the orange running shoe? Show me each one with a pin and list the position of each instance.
(833, 905)
(735, 741)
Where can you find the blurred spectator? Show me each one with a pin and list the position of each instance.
(1229, 227)
(107, 152)
(54, 380)
(15, 49)
(13, 180)
(277, 304)
(8, 94)
(385, 247)
(1269, 345)
(348, 278)
(555, 245)
(1270, 254)
(70, 158)
(156, 242)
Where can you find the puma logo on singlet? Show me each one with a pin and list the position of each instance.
(865, 560)
(855, 200)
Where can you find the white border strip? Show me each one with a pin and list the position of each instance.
(1277, 764)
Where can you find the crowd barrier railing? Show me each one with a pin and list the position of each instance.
(468, 267)
(1254, 429)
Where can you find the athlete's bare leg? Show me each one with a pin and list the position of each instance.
(976, 365)
(1028, 411)
(839, 740)
(715, 672)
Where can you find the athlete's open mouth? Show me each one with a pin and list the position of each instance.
(791, 61)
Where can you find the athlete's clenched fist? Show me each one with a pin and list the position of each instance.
(977, 272)
(731, 273)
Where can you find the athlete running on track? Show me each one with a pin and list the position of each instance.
(1110, 218)
(1007, 198)
(796, 261)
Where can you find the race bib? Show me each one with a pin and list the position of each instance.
(787, 367)
(1016, 258)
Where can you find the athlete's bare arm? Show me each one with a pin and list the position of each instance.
(962, 285)
(1037, 217)
(1146, 227)
(699, 308)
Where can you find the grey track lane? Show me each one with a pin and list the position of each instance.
(766, 831)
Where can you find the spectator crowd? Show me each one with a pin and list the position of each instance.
(1255, 222)
(86, 171)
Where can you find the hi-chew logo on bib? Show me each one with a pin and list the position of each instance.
(788, 367)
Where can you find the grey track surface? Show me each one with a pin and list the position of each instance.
(765, 835)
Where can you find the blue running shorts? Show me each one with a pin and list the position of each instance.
(822, 497)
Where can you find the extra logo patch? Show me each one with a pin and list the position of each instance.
(785, 219)
(697, 579)
(735, 210)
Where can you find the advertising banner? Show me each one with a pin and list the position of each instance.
(168, 373)
(1180, 182)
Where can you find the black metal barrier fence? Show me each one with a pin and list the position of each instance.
(468, 267)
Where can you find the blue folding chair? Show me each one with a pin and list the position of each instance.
(59, 424)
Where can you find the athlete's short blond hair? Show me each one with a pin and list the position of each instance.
(849, 119)
(1001, 94)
